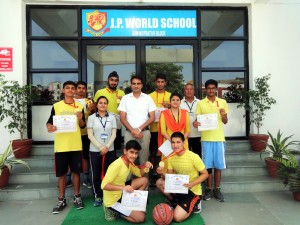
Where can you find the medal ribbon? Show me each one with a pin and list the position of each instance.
(162, 98)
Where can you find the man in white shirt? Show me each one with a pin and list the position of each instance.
(189, 103)
(137, 112)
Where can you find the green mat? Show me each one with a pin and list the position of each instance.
(94, 215)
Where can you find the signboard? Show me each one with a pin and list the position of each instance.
(139, 23)
(6, 59)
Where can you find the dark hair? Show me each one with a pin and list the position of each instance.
(211, 81)
(101, 97)
(113, 74)
(82, 83)
(161, 76)
(177, 135)
(133, 144)
(175, 94)
(69, 82)
(136, 77)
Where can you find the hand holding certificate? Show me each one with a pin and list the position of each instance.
(136, 200)
(208, 122)
(174, 183)
(66, 123)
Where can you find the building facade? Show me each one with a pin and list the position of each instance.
(230, 41)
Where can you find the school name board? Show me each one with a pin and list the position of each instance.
(139, 23)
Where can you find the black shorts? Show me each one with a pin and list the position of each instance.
(153, 144)
(85, 147)
(64, 160)
(187, 201)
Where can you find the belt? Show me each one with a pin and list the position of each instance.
(142, 130)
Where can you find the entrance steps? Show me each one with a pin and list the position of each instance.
(245, 172)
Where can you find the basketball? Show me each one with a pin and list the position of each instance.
(162, 214)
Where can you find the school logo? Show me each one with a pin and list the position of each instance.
(96, 21)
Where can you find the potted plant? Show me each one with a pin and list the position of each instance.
(15, 101)
(256, 102)
(281, 153)
(294, 183)
(6, 163)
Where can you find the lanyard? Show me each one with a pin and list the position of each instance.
(146, 170)
(103, 125)
(190, 108)
(172, 154)
(162, 98)
(73, 104)
(174, 116)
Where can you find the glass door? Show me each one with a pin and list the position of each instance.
(177, 61)
(102, 59)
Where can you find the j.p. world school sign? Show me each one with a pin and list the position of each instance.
(139, 23)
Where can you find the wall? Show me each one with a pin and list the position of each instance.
(275, 49)
(13, 35)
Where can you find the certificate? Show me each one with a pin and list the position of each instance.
(65, 123)
(208, 122)
(166, 148)
(158, 112)
(174, 183)
(136, 200)
(82, 102)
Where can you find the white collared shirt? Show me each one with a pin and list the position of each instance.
(191, 108)
(137, 109)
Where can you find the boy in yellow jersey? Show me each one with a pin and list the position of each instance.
(161, 99)
(213, 141)
(67, 146)
(114, 96)
(114, 183)
(183, 162)
(81, 92)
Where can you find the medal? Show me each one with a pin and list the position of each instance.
(161, 164)
(146, 170)
(118, 101)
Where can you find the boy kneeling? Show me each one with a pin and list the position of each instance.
(187, 163)
(115, 182)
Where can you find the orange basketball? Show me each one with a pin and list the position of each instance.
(162, 214)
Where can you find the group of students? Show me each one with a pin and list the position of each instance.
(168, 119)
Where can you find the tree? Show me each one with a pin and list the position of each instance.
(175, 81)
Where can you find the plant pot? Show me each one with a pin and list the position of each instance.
(22, 148)
(258, 142)
(296, 196)
(272, 167)
(4, 177)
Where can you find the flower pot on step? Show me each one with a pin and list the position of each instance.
(272, 167)
(258, 142)
(22, 148)
(4, 177)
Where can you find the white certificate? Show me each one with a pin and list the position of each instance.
(65, 123)
(82, 102)
(208, 122)
(158, 112)
(136, 200)
(166, 148)
(174, 183)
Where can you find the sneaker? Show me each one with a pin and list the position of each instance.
(60, 206)
(208, 194)
(78, 202)
(197, 207)
(109, 214)
(69, 184)
(87, 184)
(98, 202)
(218, 195)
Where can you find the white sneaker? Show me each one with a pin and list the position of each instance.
(198, 207)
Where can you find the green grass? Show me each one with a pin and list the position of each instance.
(94, 215)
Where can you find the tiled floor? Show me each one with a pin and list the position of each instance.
(263, 208)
